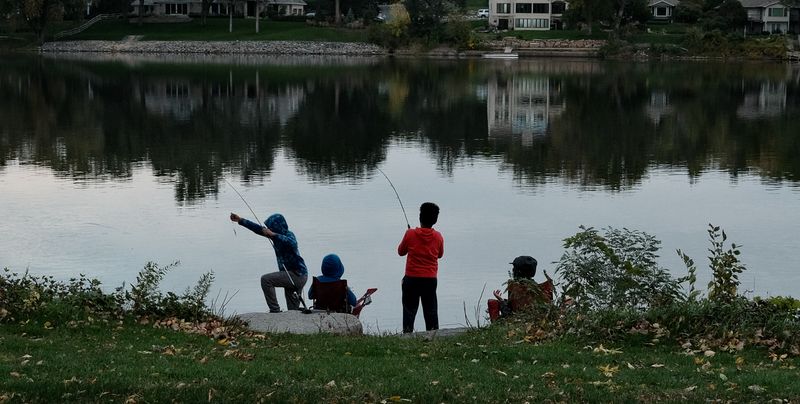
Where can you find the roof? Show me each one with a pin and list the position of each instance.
(758, 3)
(672, 3)
(287, 2)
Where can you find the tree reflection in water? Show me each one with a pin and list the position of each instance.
(587, 123)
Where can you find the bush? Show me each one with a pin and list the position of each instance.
(616, 270)
(27, 296)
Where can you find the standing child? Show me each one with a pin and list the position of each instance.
(424, 246)
(290, 263)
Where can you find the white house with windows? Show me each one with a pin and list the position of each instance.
(766, 16)
(662, 9)
(219, 7)
(526, 14)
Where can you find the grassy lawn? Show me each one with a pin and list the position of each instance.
(138, 363)
(217, 30)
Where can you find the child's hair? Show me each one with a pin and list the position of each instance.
(428, 214)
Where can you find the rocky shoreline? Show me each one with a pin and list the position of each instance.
(216, 47)
(132, 45)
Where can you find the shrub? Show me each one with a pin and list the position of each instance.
(616, 270)
(724, 264)
(28, 296)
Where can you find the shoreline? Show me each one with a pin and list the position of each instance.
(525, 49)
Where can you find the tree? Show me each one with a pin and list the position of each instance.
(38, 14)
(426, 17)
(587, 12)
(688, 11)
(729, 15)
(204, 6)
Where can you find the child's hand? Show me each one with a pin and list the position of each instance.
(497, 295)
(234, 217)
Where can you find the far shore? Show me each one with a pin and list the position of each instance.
(531, 48)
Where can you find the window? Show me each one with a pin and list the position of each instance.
(503, 8)
(532, 23)
(777, 12)
(661, 11)
(541, 8)
(524, 8)
(559, 7)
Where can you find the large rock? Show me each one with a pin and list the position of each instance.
(296, 322)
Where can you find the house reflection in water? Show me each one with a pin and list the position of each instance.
(250, 99)
(767, 99)
(522, 105)
(659, 106)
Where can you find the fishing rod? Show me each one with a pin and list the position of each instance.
(396, 194)
(295, 290)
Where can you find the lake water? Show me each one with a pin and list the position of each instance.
(107, 163)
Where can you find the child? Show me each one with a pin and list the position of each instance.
(424, 247)
(332, 271)
(290, 263)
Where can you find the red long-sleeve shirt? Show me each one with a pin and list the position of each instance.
(424, 247)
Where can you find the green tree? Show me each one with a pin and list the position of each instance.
(426, 17)
(729, 16)
(587, 12)
(688, 11)
(38, 14)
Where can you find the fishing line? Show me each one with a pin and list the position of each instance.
(396, 194)
(297, 293)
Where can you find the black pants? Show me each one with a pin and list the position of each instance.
(414, 290)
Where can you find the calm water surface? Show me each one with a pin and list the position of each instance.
(108, 163)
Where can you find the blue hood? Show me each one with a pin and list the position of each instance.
(332, 266)
(277, 223)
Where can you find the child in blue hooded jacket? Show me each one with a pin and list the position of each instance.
(290, 263)
(332, 271)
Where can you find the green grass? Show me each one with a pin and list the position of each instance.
(217, 30)
(115, 362)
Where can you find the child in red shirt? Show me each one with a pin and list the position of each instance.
(424, 246)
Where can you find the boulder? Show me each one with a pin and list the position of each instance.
(296, 322)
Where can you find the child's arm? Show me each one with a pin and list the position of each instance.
(253, 226)
(402, 249)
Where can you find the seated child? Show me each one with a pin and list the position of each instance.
(322, 286)
(523, 291)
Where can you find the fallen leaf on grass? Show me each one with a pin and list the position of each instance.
(756, 388)
(723, 377)
(423, 355)
(630, 366)
(606, 351)
(211, 394)
(690, 389)
(709, 353)
(238, 355)
(657, 365)
(739, 362)
(548, 374)
(180, 385)
(331, 384)
(15, 374)
(608, 370)
(72, 380)
(501, 372)
(434, 382)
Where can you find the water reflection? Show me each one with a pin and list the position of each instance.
(587, 123)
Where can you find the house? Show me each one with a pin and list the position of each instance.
(770, 16)
(219, 7)
(527, 14)
(662, 10)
